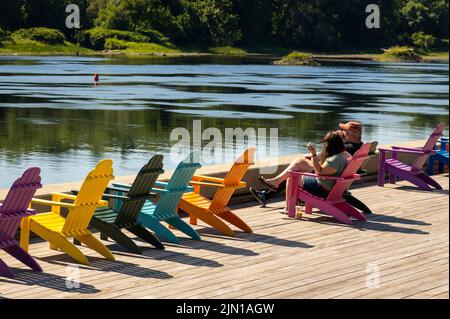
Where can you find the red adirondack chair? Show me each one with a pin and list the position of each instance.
(413, 173)
(335, 204)
(13, 209)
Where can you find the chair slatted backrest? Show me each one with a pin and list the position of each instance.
(140, 190)
(89, 197)
(17, 201)
(233, 178)
(350, 170)
(176, 187)
(429, 145)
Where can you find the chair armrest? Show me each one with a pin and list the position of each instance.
(200, 178)
(407, 148)
(335, 178)
(221, 186)
(161, 184)
(63, 196)
(114, 196)
(406, 151)
(122, 185)
(52, 203)
(207, 184)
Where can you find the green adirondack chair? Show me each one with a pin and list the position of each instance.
(110, 221)
(165, 210)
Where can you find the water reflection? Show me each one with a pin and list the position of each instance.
(52, 116)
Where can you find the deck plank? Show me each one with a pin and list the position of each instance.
(316, 257)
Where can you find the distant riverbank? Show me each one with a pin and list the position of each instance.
(269, 53)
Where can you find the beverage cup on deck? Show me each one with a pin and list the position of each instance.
(298, 212)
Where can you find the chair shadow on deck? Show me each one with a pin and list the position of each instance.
(255, 238)
(169, 255)
(374, 222)
(100, 264)
(411, 188)
(50, 281)
(166, 254)
(217, 247)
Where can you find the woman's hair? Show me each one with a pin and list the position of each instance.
(333, 144)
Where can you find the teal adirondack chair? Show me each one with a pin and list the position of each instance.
(165, 210)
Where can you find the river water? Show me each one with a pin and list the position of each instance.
(52, 116)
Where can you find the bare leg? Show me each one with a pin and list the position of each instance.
(299, 165)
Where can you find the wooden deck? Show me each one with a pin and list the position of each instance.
(405, 242)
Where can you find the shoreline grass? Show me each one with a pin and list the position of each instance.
(141, 49)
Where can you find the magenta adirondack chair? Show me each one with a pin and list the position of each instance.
(13, 209)
(413, 173)
(334, 205)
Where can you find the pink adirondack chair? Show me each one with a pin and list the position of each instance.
(13, 209)
(335, 204)
(413, 173)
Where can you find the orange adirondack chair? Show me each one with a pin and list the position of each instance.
(214, 211)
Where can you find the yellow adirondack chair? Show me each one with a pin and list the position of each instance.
(209, 211)
(58, 230)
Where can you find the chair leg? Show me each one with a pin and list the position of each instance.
(308, 208)
(392, 178)
(236, 221)
(357, 204)
(193, 220)
(431, 165)
(381, 168)
(17, 252)
(212, 220)
(291, 189)
(95, 244)
(56, 240)
(112, 231)
(25, 233)
(441, 167)
(333, 211)
(161, 231)
(5, 270)
(420, 182)
(350, 210)
(62, 243)
(144, 234)
(181, 225)
(429, 181)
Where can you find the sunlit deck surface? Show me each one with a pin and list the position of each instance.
(406, 240)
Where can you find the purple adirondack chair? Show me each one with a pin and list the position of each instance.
(13, 209)
(413, 173)
(335, 204)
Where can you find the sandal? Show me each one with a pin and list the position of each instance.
(270, 186)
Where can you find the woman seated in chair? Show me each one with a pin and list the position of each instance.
(351, 133)
(332, 161)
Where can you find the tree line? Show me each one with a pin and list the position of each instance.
(305, 24)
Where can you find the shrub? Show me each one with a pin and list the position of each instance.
(45, 35)
(423, 41)
(401, 53)
(297, 58)
(96, 38)
(116, 44)
(155, 36)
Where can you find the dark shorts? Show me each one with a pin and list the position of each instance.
(312, 186)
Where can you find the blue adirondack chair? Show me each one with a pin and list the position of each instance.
(441, 156)
(165, 210)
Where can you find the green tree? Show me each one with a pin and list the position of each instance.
(221, 23)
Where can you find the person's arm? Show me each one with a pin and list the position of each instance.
(319, 169)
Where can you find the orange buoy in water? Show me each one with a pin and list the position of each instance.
(95, 78)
